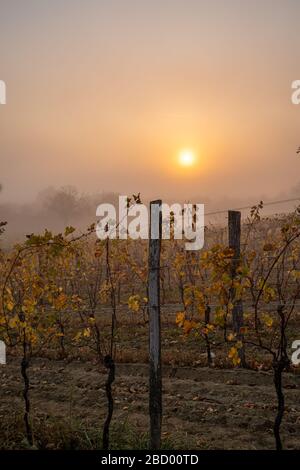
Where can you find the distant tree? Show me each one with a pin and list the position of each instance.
(64, 203)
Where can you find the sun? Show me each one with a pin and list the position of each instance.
(186, 157)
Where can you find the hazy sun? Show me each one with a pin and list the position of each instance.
(186, 157)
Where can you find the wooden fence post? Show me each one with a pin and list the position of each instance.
(155, 381)
(234, 240)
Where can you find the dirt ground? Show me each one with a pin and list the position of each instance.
(202, 408)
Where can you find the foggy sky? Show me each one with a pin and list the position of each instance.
(103, 94)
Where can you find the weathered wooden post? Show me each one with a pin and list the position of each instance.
(234, 240)
(155, 381)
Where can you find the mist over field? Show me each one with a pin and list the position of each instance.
(56, 208)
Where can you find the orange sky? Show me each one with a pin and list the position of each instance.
(104, 94)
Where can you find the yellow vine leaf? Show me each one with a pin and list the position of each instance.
(133, 303)
(180, 318)
(10, 305)
(188, 325)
